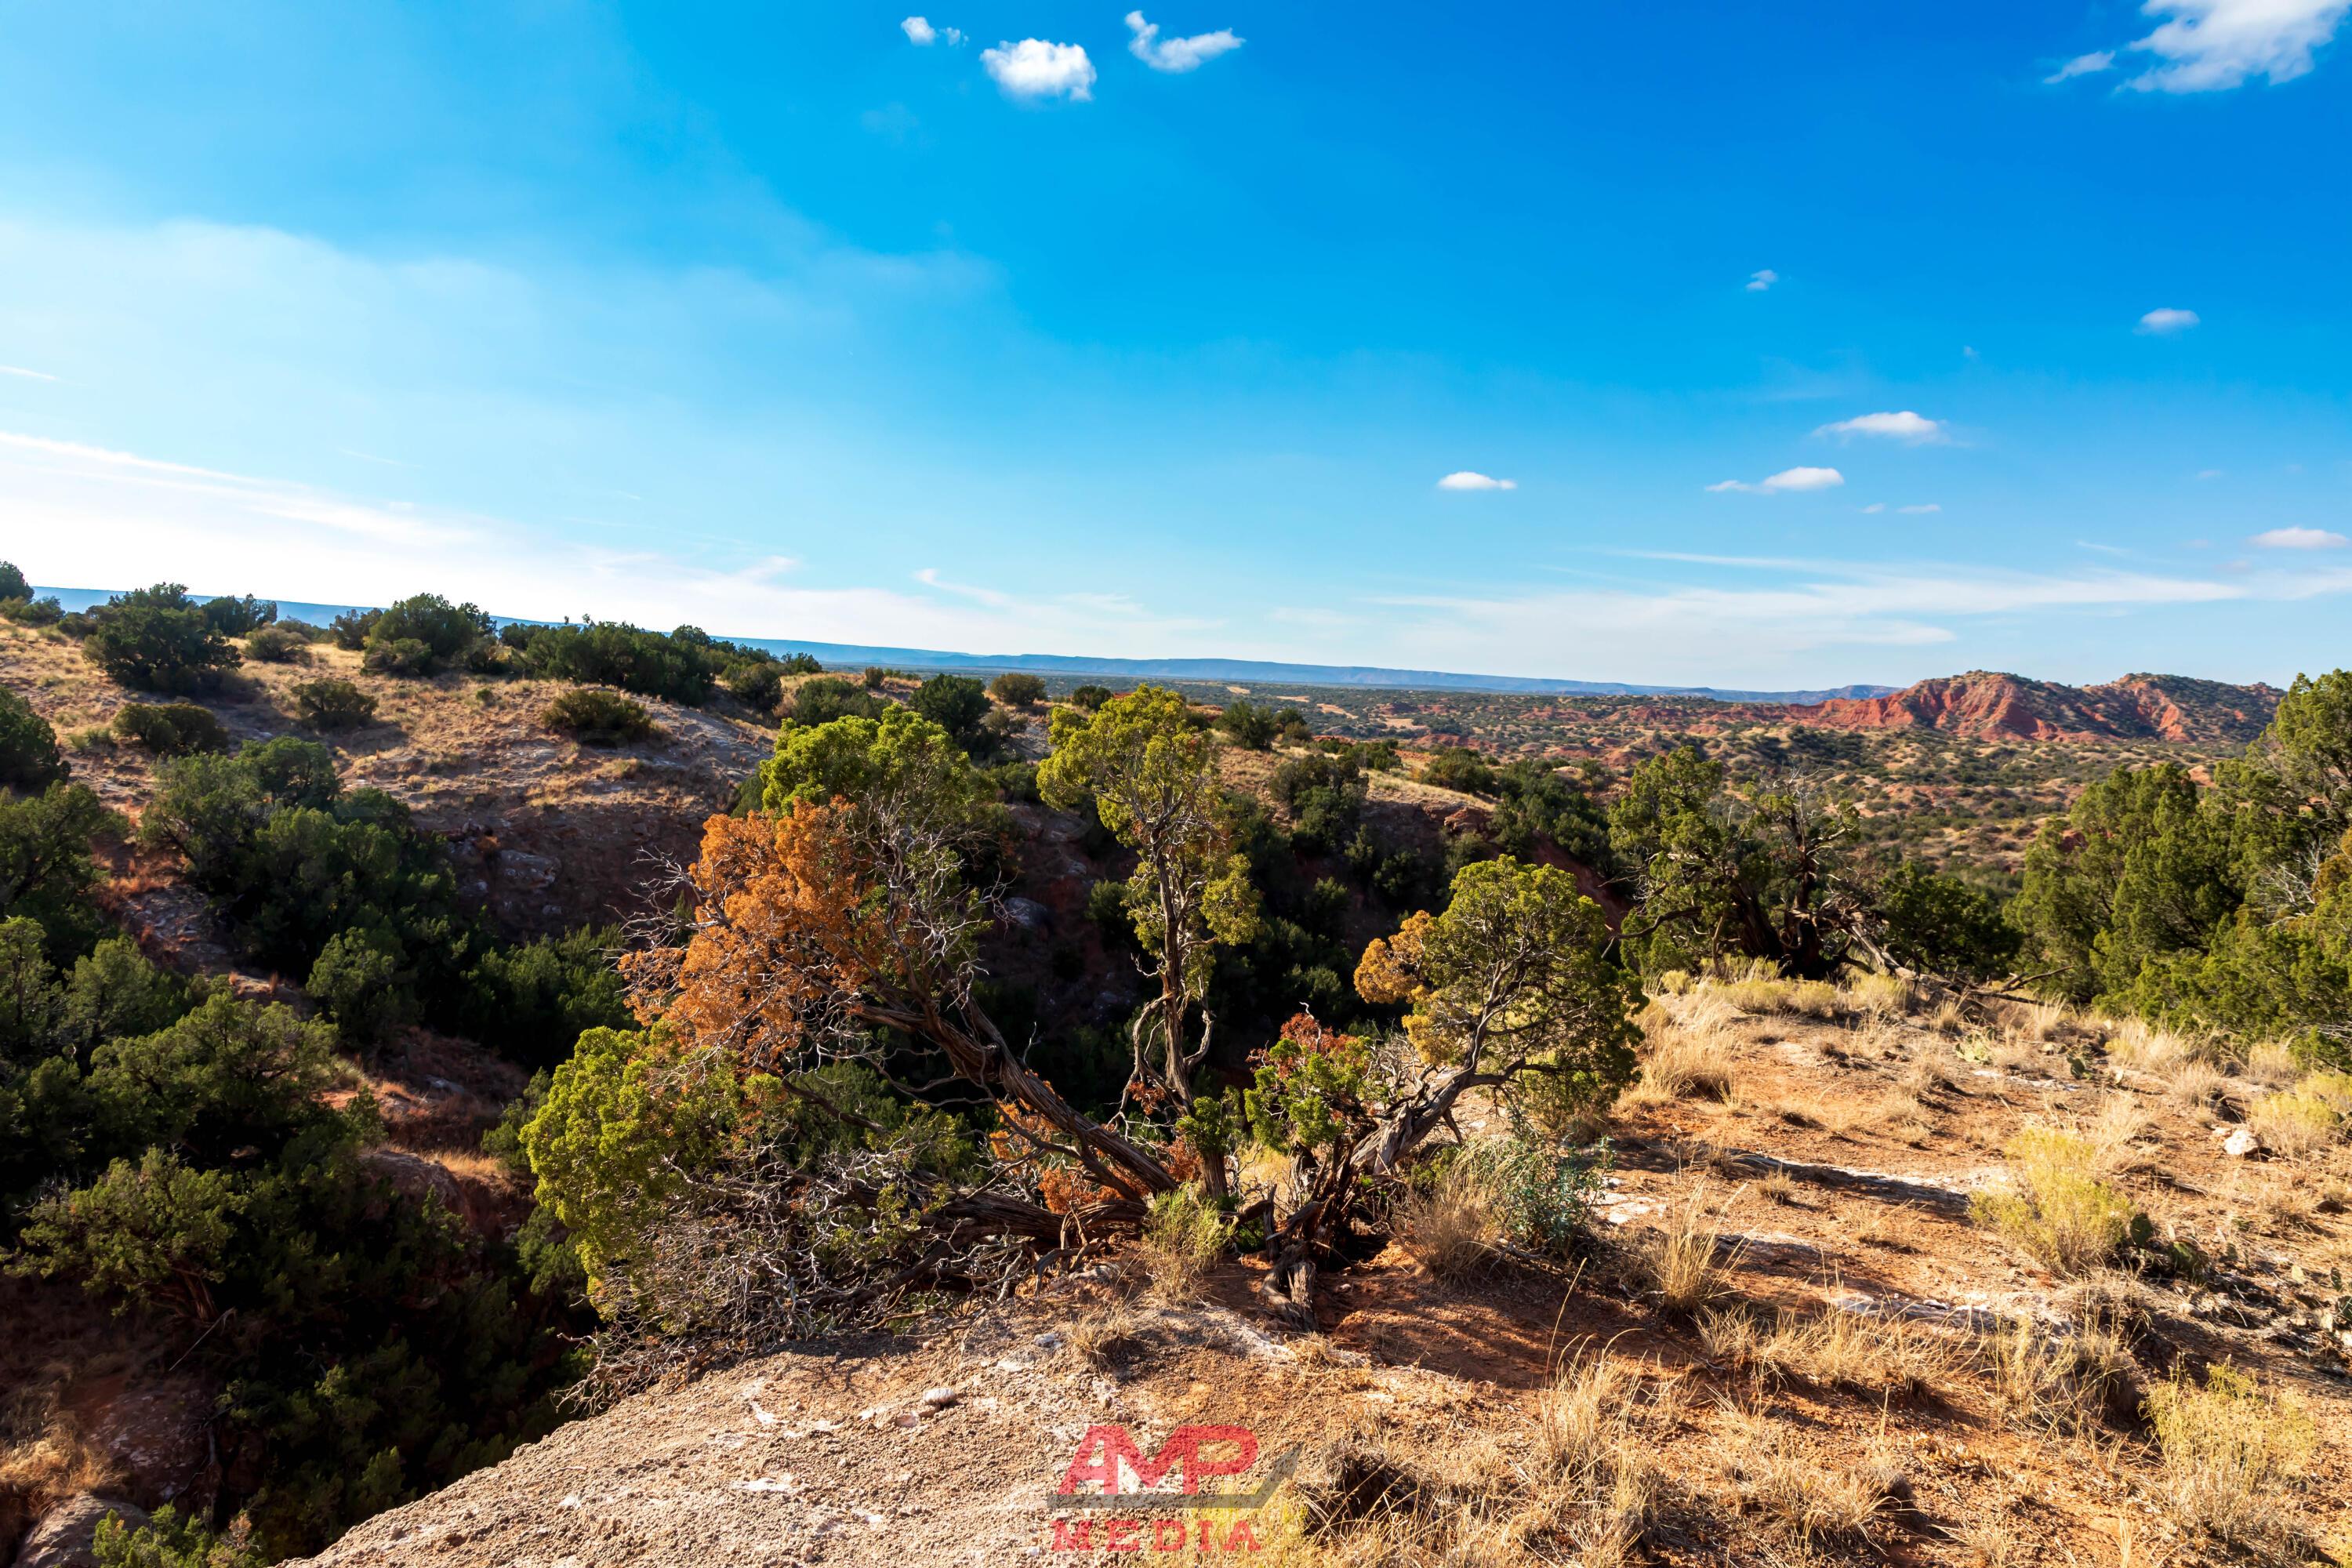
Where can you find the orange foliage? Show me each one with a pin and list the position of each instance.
(1390, 971)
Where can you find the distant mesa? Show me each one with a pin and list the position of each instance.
(1988, 705)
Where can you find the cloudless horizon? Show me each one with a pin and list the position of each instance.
(1698, 345)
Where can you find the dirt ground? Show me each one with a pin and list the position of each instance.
(1832, 1176)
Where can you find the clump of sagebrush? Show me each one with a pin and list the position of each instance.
(2229, 1452)
(334, 705)
(278, 644)
(595, 717)
(1182, 1238)
(2059, 1211)
(170, 729)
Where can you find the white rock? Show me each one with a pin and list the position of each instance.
(2242, 1143)
(940, 1397)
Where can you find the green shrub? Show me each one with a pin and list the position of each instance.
(611, 653)
(827, 698)
(2059, 1212)
(1247, 725)
(334, 705)
(12, 583)
(399, 656)
(956, 703)
(168, 1540)
(235, 617)
(43, 612)
(421, 634)
(47, 871)
(1459, 768)
(595, 717)
(157, 639)
(1184, 1236)
(758, 685)
(277, 645)
(1090, 697)
(2229, 1451)
(351, 628)
(1325, 794)
(1017, 689)
(170, 729)
(28, 746)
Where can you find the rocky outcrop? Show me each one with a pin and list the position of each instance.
(63, 1537)
(1992, 706)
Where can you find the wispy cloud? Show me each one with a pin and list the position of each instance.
(1176, 55)
(1465, 480)
(1920, 511)
(19, 371)
(1759, 282)
(1786, 482)
(2298, 539)
(1906, 426)
(2209, 46)
(2091, 64)
(1036, 68)
(2165, 322)
(921, 32)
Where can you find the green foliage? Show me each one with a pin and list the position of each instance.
(2059, 1212)
(1249, 725)
(758, 685)
(1325, 793)
(1937, 922)
(1459, 768)
(1090, 696)
(679, 667)
(158, 639)
(41, 612)
(1537, 804)
(532, 1002)
(1515, 976)
(170, 729)
(828, 698)
(330, 705)
(30, 759)
(47, 872)
(420, 634)
(1311, 1097)
(1541, 1193)
(351, 628)
(1016, 688)
(277, 645)
(370, 1348)
(169, 1540)
(901, 755)
(12, 583)
(233, 617)
(595, 717)
(957, 704)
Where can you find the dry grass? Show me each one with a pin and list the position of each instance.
(2114, 1139)
(44, 1456)
(1805, 1503)
(1183, 1240)
(2195, 1085)
(1682, 1062)
(1679, 1264)
(2047, 1381)
(2059, 1211)
(1447, 1227)
(1876, 1356)
(1102, 1336)
(1880, 996)
(2294, 1124)
(2229, 1452)
(2271, 1064)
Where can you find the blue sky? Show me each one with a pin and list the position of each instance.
(775, 318)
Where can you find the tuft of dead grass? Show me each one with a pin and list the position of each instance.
(2295, 1123)
(1808, 1504)
(1680, 1263)
(1447, 1227)
(1100, 1338)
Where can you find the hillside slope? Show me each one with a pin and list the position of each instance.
(1862, 1413)
(1987, 705)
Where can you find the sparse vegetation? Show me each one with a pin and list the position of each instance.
(595, 717)
(2059, 1212)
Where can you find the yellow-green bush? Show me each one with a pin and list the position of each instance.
(2059, 1211)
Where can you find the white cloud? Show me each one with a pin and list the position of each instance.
(2298, 539)
(2165, 322)
(1905, 426)
(2209, 45)
(1919, 510)
(1759, 282)
(1876, 506)
(1036, 68)
(921, 32)
(2091, 64)
(1785, 480)
(1465, 480)
(19, 370)
(2208, 473)
(1176, 54)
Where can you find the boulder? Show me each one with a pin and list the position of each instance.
(63, 1537)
